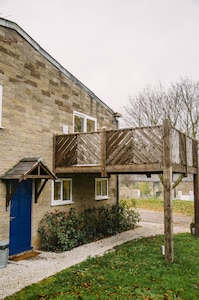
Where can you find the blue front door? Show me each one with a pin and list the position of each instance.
(20, 218)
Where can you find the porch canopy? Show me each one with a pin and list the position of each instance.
(27, 168)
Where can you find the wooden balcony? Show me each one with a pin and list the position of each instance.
(133, 150)
(157, 149)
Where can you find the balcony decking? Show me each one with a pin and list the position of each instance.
(132, 150)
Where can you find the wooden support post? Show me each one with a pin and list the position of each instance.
(103, 153)
(10, 190)
(167, 183)
(39, 188)
(54, 152)
(196, 192)
(196, 203)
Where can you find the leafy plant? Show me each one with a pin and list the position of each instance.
(60, 231)
(90, 223)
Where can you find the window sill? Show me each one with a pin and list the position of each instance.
(102, 198)
(62, 203)
(1, 127)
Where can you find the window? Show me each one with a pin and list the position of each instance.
(101, 188)
(1, 94)
(83, 123)
(62, 191)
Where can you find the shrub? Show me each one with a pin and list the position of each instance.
(128, 217)
(90, 223)
(130, 202)
(59, 231)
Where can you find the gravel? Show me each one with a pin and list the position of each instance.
(25, 272)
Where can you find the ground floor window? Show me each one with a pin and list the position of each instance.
(101, 188)
(62, 191)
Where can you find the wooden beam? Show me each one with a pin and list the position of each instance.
(167, 183)
(79, 169)
(10, 190)
(38, 190)
(34, 177)
(135, 168)
(103, 152)
(183, 169)
(186, 156)
(111, 169)
(196, 193)
(196, 203)
(54, 151)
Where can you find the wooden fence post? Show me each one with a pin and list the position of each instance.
(103, 153)
(167, 183)
(54, 152)
(196, 192)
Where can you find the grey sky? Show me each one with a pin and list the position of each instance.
(114, 47)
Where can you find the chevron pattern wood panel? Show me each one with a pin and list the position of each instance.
(89, 148)
(134, 146)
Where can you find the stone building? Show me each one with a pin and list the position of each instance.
(130, 187)
(39, 99)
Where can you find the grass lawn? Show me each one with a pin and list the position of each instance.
(135, 270)
(179, 206)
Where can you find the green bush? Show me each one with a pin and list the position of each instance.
(130, 202)
(90, 223)
(60, 231)
(128, 217)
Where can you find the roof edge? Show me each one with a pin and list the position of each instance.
(14, 26)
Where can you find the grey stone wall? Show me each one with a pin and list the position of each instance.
(38, 99)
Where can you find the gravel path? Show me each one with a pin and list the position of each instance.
(23, 273)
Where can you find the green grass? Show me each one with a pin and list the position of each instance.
(179, 206)
(135, 270)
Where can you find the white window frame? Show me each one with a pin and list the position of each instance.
(1, 96)
(101, 196)
(85, 118)
(61, 201)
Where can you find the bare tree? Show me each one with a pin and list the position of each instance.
(186, 93)
(179, 103)
(143, 110)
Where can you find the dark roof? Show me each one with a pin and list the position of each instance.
(29, 168)
(34, 44)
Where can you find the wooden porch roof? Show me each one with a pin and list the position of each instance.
(29, 168)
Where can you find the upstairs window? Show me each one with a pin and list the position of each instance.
(62, 191)
(83, 123)
(101, 188)
(1, 95)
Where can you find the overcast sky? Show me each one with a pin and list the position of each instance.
(114, 47)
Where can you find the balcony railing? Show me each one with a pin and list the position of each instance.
(128, 150)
